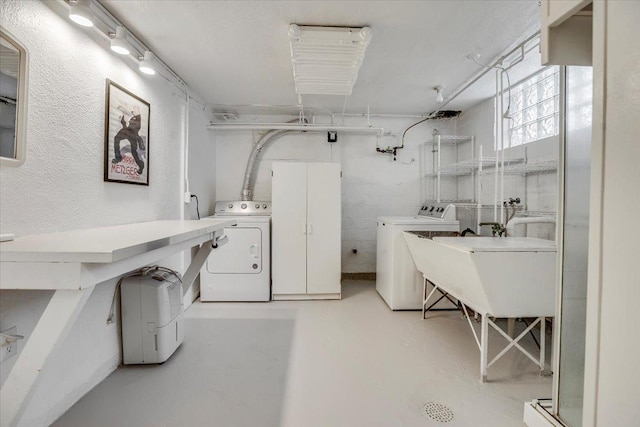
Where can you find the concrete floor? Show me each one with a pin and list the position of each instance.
(316, 363)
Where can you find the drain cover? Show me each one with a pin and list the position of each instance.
(438, 412)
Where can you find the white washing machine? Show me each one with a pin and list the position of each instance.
(398, 281)
(241, 269)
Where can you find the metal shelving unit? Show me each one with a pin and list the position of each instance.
(478, 167)
(474, 166)
(438, 172)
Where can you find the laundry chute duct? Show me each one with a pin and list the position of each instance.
(249, 174)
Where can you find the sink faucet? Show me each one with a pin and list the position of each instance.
(489, 223)
(496, 228)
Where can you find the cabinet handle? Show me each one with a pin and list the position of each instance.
(304, 228)
(309, 229)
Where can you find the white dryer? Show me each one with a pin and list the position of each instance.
(241, 269)
(397, 280)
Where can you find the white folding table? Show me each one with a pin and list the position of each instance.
(71, 263)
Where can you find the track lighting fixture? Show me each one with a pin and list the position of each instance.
(90, 13)
(146, 65)
(80, 13)
(439, 97)
(119, 42)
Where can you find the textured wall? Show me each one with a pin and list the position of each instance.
(60, 186)
(202, 175)
(373, 184)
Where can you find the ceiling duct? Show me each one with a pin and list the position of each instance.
(326, 60)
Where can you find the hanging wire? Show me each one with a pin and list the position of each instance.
(507, 112)
(193, 196)
(152, 271)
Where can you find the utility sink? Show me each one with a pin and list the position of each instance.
(501, 277)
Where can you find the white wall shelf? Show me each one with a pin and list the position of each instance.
(535, 167)
(528, 213)
(449, 139)
(468, 167)
(72, 263)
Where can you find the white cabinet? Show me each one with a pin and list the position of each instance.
(558, 11)
(566, 32)
(306, 222)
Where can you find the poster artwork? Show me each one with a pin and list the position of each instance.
(126, 137)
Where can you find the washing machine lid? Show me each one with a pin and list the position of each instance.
(414, 220)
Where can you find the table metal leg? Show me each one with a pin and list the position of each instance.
(424, 295)
(53, 326)
(196, 265)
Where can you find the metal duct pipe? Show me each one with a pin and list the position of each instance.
(249, 182)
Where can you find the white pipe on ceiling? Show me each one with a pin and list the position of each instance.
(294, 127)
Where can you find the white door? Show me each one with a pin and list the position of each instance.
(289, 222)
(324, 228)
(241, 255)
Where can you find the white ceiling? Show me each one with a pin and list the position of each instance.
(237, 52)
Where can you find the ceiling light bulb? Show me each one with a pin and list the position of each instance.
(145, 65)
(119, 42)
(439, 97)
(80, 13)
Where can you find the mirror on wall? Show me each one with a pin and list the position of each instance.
(13, 99)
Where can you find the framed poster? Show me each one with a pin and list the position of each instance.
(126, 137)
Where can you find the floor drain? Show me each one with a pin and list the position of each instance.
(438, 412)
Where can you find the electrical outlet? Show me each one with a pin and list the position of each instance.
(8, 349)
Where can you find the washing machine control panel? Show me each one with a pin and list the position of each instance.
(443, 211)
(242, 207)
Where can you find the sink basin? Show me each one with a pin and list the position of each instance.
(501, 277)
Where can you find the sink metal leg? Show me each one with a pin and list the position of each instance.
(542, 344)
(424, 295)
(511, 327)
(484, 347)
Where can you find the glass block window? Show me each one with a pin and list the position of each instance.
(535, 107)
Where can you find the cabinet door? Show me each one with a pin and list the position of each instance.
(324, 228)
(289, 239)
(566, 32)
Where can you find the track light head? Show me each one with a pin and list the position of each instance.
(146, 65)
(439, 97)
(119, 42)
(80, 13)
